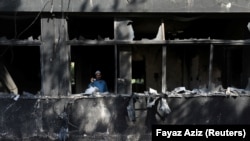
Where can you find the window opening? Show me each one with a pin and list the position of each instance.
(23, 65)
(21, 61)
(90, 28)
(89, 59)
(138, 76)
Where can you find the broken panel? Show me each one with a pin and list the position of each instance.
(146, 28)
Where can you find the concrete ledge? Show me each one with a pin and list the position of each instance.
(106, 118)
(140, 6)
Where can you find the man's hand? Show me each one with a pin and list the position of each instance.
(92, 79)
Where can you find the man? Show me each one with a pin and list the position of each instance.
(98, 82)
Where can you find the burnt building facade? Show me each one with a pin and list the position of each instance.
(193, 55)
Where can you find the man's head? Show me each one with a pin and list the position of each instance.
(98, 74)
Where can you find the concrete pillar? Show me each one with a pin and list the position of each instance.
(124, 31)
(55, 56)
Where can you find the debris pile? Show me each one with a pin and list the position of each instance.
(216, 91)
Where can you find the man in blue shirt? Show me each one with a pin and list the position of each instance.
(98, 82)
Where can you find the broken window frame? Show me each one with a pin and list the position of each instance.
(164, 43)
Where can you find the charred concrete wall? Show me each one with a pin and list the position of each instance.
(106, 118)
(60, 29)
(127, 6)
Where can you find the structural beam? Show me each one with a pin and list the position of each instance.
(19, 43)
(158, 42)
(122, 6)
(132, 42)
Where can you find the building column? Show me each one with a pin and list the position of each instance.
(55, 56)
(123, 31)
(164, 60)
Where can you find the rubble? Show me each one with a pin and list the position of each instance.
(216, 91)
